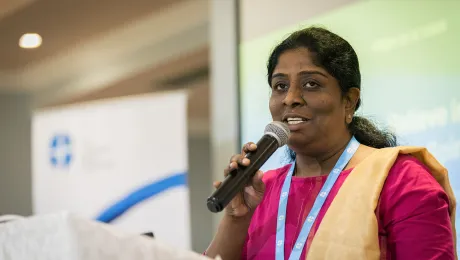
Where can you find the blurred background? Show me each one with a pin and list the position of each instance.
(127, 111)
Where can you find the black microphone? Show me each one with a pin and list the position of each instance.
(276, 135)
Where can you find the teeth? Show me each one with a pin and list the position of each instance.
(295, 120)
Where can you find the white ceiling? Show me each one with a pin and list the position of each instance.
(104, 48)
(107, 54)
(10, 6)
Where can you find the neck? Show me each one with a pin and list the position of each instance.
(322, 164)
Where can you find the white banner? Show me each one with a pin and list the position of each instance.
(120, 161)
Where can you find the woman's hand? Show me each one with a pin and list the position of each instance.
(249, 198)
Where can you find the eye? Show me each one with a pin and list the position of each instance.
(311, 85)
(280, 87)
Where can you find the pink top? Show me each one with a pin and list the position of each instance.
(412, 214)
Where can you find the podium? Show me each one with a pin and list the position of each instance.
(64, 236)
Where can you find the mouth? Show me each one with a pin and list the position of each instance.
(292, 119)
(296, 120)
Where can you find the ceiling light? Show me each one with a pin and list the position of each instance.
(30, 41)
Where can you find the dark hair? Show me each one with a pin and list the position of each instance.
(338, 58)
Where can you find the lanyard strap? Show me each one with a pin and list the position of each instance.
(320, 199)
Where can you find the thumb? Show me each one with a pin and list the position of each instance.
(257, 182)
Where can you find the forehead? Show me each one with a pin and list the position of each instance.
(295, 60)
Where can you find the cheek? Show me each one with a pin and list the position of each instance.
(327, 112)
(275, 109)
(322, 105)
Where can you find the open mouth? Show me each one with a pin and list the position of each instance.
(295, 120)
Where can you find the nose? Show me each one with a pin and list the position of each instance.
(294, 97)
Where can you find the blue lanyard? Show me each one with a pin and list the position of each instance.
(320, 199)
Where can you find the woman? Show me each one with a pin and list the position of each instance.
(315, 88)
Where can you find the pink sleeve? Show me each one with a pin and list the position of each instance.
(414, 213)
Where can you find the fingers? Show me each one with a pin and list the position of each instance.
(233, 165)
(257, 182)
(240, 159)
(237, 159)
(249, 147)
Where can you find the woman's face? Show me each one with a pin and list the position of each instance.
(309, 100)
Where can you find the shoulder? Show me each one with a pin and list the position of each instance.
(410, 189)
(409, 175)
(408, 170)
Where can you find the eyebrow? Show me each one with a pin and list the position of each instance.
(304, 72)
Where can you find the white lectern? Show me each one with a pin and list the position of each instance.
(65, 236)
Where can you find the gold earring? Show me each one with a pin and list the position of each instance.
(349, 119)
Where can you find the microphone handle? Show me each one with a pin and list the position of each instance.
(237, 179)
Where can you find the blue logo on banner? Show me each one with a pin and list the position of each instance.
(61, 151)
(140, 195)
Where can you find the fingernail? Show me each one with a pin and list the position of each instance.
(245, 160)
(253, 146)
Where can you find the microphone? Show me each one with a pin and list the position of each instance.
(276, 135)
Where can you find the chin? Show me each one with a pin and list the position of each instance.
(297, 142)
(302, 143)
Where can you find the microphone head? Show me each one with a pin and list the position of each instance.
(279, 131)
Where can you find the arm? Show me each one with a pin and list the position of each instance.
(233, 228)
(415, 214)
(230, 238)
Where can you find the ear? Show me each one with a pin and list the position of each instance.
(351, 100)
